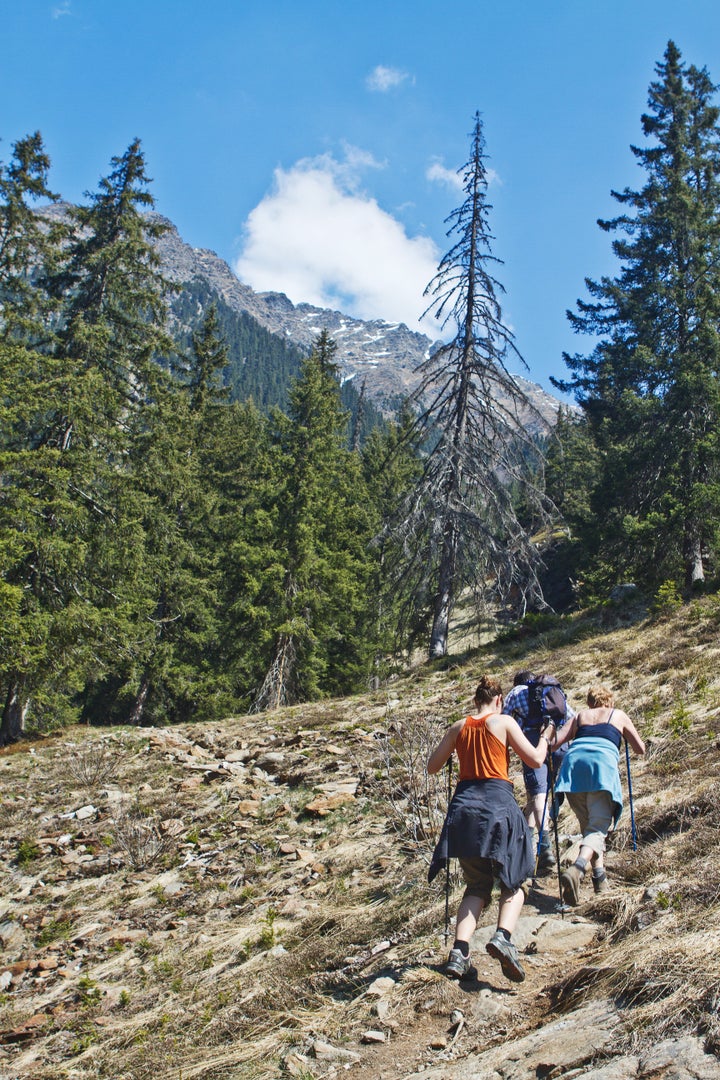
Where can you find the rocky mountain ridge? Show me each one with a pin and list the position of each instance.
(381, 354)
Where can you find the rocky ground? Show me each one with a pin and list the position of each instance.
(248, 899)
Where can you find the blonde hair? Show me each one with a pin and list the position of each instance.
(488, 689)
(599, 697)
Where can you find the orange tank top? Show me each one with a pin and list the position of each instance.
(481, 754)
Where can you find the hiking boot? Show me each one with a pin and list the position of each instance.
(459, 966)
(546, 861)
(570, 883)
(601, 884)
(504, 951)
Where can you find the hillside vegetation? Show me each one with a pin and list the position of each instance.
(249, 898)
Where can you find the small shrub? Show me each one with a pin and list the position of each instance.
(268, 932)
(27, 852)
(680, 721)
(88, 991)
(137, 834)
(56, 930)
(93, 765)
(535, 622)
(667, 598)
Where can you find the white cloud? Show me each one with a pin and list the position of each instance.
(438, 173)
(321, 240)
(382, 78)
(61, 10)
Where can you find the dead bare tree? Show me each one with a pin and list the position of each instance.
(459, 528)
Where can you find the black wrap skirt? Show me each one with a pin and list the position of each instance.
(484, 821)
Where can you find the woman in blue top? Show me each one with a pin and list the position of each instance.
(590, 778)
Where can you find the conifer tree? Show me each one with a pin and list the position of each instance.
(320, 563)
(459, 528)
(47, 620)
(111, 332)
(392, 464)
(29, 245)
(650, 387)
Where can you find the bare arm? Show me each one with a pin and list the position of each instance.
(630, 732)
(444, 748)
(534, 756)
(566, 732)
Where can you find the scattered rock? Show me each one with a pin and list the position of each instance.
(381, 1009)
(12, 935)
(382, 986)
(323, 805)
(680, 1059)
(562, 1045)
(372, 1036)
(296, 1064)
(325, 1051)
(621, 594)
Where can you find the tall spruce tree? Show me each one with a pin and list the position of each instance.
(29, 244)
(393, 464)
(112, 330)
(459, 528)
(650, 388)
(49, 620)
(321, 563)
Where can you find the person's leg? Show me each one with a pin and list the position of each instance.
(600, 818)
(594, 811)
(572, 876)
(509, 910)
(467, 918)
(478, 875)
(500, 945)
(536, 813)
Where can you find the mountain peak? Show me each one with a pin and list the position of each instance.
(383, 355)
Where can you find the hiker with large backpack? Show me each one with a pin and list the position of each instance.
(533, 701)
(590, 777)
(484, 827)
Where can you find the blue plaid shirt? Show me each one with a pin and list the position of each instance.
(517, 704)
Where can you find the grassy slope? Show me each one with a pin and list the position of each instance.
(235, 889)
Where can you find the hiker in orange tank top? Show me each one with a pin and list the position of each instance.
(485, 828)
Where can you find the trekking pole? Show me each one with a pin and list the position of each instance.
(551, 773)
(540, 833)
(630, 798)
(447, 861)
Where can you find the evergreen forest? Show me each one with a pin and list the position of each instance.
(201, 523)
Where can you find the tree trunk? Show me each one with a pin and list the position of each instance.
(694, 569)
(138, 708)
(275, 690)
(444, 595)
(13, 715)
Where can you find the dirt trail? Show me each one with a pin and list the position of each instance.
(453, 1019)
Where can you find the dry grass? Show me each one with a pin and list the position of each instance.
(241, 926)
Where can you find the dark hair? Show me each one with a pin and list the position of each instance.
(488, 688)
(522, 678)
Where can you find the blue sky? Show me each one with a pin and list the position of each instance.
(314, 144)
